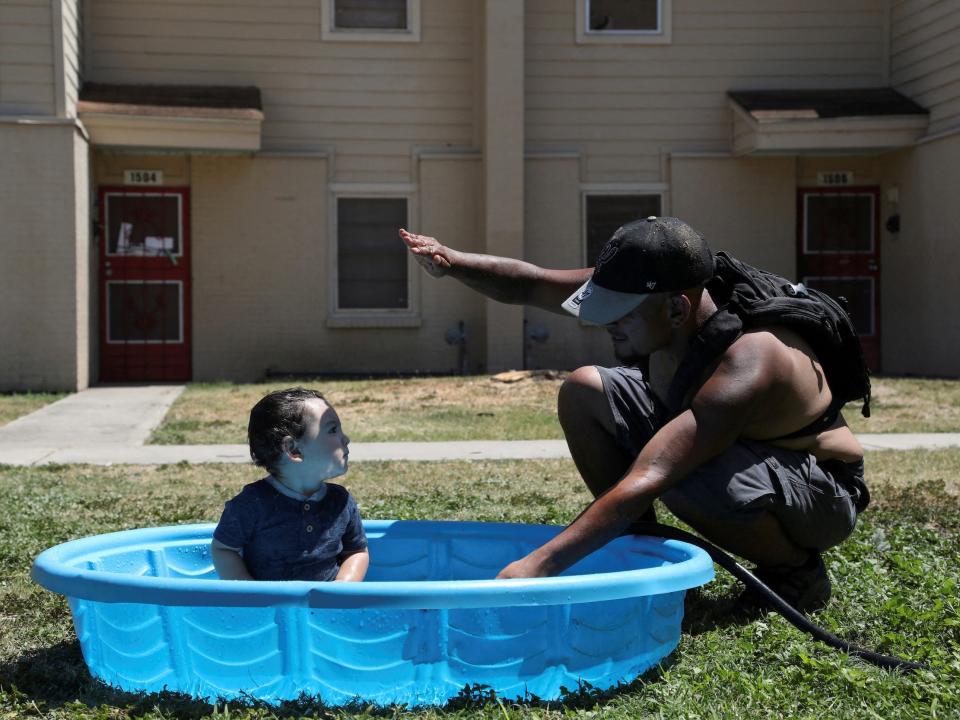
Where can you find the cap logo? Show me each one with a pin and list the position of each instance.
(582, 295)
(609, 250)
(651, 284)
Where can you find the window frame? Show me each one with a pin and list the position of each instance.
(328, 31)
(371, 317)
(661, 36)
(652, 189)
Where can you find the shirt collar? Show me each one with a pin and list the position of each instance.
(284, 490)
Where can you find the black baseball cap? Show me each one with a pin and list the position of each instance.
(654, 255)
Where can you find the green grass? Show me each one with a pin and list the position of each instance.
(14, 405)
(477, 407)
(896, 590)
(379, 410)
(908, 405)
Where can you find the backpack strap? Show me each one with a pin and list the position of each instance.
(717, 334)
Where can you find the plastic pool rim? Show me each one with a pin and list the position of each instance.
(686, 566)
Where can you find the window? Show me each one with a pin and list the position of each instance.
(143, 224)
(144, 311)
(603, 214)
(370, 20)
(623, 21)
(371, 263)
(839, 223)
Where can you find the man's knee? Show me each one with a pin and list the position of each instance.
(581, 398)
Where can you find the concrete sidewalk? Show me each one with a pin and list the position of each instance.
(109, 425)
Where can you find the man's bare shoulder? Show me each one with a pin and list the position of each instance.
(775, 374)
(769, 352)
(760, 357)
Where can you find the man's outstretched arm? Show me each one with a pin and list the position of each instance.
(503, 279)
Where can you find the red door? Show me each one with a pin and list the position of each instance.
(144, 284)
(838, 252)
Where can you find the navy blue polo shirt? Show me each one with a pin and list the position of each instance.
(285, 536)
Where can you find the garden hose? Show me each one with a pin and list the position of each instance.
(791, 614)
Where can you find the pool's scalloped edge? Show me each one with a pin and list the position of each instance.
(689, 566)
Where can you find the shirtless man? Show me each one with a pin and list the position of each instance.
(722, 464)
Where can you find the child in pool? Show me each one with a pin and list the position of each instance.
(293, 524)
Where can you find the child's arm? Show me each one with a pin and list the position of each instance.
(353, 567)
(228, 563)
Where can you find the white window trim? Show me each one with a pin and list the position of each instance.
(662, 36)
(338, 317)
(329, 32)
(614, 189)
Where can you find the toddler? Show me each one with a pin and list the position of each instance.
(293, 524)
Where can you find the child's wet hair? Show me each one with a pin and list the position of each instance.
(275, 416)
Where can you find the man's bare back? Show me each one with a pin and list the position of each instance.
(799, 395)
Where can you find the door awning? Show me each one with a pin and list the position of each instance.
(185, 117)
(791, 122)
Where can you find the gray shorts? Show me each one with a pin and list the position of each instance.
(816, 503)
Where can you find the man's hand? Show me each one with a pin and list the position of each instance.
(433, 257)
(525, 567)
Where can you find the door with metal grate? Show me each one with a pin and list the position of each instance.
(838, 252)
(144, 285)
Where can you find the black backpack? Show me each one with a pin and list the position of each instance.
(750, 298)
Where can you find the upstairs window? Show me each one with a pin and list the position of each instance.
(605, 213)
(371, 20)
(623, 21)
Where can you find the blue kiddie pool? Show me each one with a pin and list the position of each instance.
(429, 620)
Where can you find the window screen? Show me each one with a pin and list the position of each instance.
(370, 14)
(144, 312)
(371, 260)
(605, 213)
(612, 15)
(839, 223)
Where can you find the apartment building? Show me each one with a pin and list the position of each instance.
(210, 189)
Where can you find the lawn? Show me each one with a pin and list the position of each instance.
(14, 405)
(381, 410)
(896, 590)
(480, 407)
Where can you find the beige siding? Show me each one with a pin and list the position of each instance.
(744, 206)
(553, 239)
(44, 263)
(372, 101)
(921, 263)
(925, 57)
(621, 104)
(260, 292)
(27, 84)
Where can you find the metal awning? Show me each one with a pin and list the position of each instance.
(790, 122)
(185, 117)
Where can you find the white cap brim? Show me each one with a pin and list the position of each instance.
(594, 304)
